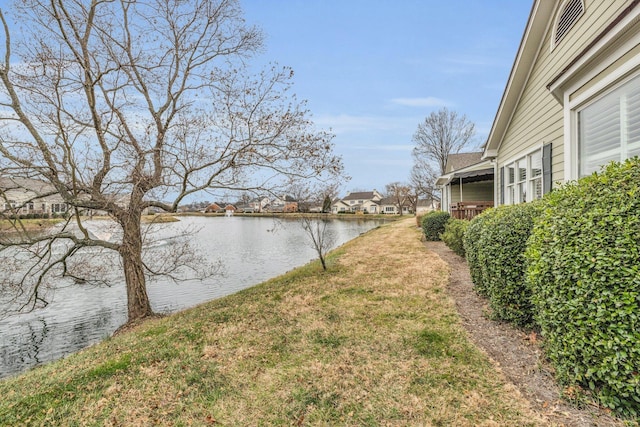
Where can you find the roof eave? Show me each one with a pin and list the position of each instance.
(530, 44)
(447, 178)
(630, 16)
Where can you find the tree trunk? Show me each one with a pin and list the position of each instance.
(324, 263)
(138, 304)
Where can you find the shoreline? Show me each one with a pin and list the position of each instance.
(374, 340)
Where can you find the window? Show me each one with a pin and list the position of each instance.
(59, 208)
(570, 12)
(535, 178)
(609, 128)
(523, 179)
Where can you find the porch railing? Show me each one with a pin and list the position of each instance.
(468, 210)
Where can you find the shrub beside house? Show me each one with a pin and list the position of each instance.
(571, 106)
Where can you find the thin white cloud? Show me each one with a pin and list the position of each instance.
(383, 147)
(345, 123)
(471, 63)
(429, 101)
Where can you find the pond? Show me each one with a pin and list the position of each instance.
(249, 249)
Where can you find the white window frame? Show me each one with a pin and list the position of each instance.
(573, 107)
(586, 70)
(624, 147)
(515, 197)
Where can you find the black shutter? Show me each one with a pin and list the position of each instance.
(546, 168)
(501, 186)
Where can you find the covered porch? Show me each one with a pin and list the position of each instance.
(469, 191)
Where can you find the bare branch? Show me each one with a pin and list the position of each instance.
(118, 106)
(440, 134)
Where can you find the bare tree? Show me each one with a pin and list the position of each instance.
(310, 195)
(400, 193)
(122, 106)
(318, 231)
(440, 134)
(422, 182)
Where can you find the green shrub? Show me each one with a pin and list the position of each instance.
(584, 273)
(453, 235)
(499, 253)
(471, 241)
(433, 224)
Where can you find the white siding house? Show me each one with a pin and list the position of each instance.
(572, 101)
(22, 196)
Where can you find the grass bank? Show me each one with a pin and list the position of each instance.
(9, 225)
(375, 341)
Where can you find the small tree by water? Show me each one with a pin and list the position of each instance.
(321, 237)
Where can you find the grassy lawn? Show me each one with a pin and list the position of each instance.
(375, 341)
(28, 224)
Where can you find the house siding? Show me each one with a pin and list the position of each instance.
(605, 73)
(473, 192)
(539, 118)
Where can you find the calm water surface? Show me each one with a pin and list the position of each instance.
(251, 251)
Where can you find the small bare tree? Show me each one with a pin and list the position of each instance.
(400, 193)
(120, 106)
(442, 132)
(321, 236)
(422, 183)
(317, 225)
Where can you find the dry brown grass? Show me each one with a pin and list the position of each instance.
(8, 225)
(374, 341)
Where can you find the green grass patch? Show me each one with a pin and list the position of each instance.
(370, 342)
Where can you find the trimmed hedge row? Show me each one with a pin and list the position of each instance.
(570, 266)
(453, 235)
(496, 247)
(584, 274)
(433, 224)
(472, 245)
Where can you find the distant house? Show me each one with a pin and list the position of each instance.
(427, 205)
(366, 202)
(257, 204)
(389, 206)
(23, 196)
(213, 208)
(230, 209)
(244, 208)
(467, 185)
(285, 204)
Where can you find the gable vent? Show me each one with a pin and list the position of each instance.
(571, 12)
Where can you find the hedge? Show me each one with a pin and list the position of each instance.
(471, 241)
(499, 263)
(453, 235)
(584, 275)
(433, 224)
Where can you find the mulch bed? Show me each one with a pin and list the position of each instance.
(516, 353)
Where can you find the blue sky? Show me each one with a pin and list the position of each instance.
(373, 70)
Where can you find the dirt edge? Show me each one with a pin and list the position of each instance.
(516, 354)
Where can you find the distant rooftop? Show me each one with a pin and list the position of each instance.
(462, 160)
(362, 195)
